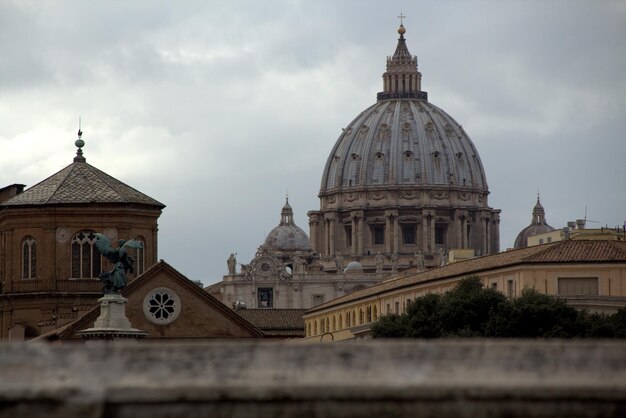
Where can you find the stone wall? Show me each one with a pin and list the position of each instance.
(444, 378)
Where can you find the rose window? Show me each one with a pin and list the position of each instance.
(161, 306)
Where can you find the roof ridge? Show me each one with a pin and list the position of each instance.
(72, 166)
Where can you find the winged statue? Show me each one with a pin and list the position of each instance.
(115, 280)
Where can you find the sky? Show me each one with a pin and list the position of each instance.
(219, 109)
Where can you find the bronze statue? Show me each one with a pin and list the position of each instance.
(115, 280)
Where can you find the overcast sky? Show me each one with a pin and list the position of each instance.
(217, 109)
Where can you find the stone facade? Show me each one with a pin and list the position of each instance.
(286, 273)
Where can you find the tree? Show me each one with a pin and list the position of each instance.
(471, 310)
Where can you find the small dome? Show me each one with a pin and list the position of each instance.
(287, 236)
(537, 226)
(353, 267)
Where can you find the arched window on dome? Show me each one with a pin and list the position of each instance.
(334, 328)
(315, 327)
(408, 167)
(308, 329)
(353, 166)
(139, 255)
(353, 317)
(384, 132)
(375, 313)
(29, 258)
(378, 169)
(406, 132)
(340, 321)
(86, 259)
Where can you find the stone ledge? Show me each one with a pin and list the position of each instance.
(375, 378)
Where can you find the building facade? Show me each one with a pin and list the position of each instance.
(588, 274)
(49, 265)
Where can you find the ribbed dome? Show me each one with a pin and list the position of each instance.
(537, 226)
(403, 142)
(287, 236)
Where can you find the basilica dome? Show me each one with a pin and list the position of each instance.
(403, 177)
(287, 236)
(403, 141)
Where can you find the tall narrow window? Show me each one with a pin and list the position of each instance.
(440, 233)
(265, 297)
(29, 258)
(139, 256)
(86, 259)
(378, 234)
(348, 229)
(408, 234)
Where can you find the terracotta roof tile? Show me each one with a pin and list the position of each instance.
(275, 319)
(556, 252)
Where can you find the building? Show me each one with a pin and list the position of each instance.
(538, 226)
(586, 273)
(403, 187)
(168, 306)
(578, 230)
(49, 265)
(403, 178)
(286, 274)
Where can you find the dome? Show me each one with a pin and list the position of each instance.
(353, 267)
(403, 140)
(403, 177)
(537, 226)
(287, 236)
(403, 143)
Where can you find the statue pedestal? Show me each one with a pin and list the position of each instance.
(112, 323)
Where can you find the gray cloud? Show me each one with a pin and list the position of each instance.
(221, 108)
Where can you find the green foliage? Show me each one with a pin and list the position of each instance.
(471, 310)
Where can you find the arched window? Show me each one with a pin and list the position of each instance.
(354, 318)
(139, 257)
(308, 329)
(322, 328)
(369, 314)
(340, 321)
(375, 313)
(361, 321)
(86, 259)
(315, 327)
(29, 258)
(334, 323)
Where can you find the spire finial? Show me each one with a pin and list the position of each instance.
(401, 29)
(79, 144)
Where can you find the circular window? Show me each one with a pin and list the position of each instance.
(161, 306)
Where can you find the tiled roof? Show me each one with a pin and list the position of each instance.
(557, 252)
(581, 251)
(284, 322)
(78, 183)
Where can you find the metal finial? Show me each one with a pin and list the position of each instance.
(79, 144)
